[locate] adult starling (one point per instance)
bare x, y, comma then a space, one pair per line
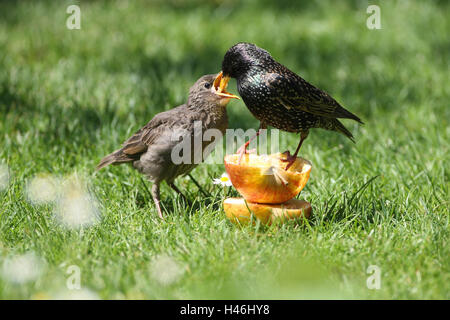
278, 97
150, 148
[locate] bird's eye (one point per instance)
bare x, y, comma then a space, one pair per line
207, 85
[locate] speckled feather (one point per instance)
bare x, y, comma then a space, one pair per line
280, 98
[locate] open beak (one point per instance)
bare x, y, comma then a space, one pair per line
220, 85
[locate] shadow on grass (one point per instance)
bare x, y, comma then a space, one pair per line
62, 124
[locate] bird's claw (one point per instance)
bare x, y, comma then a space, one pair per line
290, 159
243, 150
287, 153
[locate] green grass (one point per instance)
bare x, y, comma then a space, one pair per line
67, 98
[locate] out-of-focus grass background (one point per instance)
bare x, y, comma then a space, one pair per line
68, 97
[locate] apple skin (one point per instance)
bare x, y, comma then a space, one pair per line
238, 211
263, 179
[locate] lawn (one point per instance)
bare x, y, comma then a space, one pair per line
69, 97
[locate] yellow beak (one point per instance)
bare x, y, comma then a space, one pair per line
220, 85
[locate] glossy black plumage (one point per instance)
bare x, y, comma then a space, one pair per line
280, 98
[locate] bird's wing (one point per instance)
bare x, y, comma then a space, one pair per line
144, 137
135, 145
294, 92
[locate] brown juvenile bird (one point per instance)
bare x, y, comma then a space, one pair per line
150, 149
280, 98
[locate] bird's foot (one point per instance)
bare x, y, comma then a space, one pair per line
243, 150
290, 159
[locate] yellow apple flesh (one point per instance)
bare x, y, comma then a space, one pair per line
263, 178
240, 211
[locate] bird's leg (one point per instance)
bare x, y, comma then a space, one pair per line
243, 150
291, 158
174, 187
156, 198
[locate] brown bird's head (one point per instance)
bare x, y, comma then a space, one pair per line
206, 90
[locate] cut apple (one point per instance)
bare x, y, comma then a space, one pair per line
238, 210
263, 178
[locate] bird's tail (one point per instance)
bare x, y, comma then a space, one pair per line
117, 157
339, 127
344, 113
